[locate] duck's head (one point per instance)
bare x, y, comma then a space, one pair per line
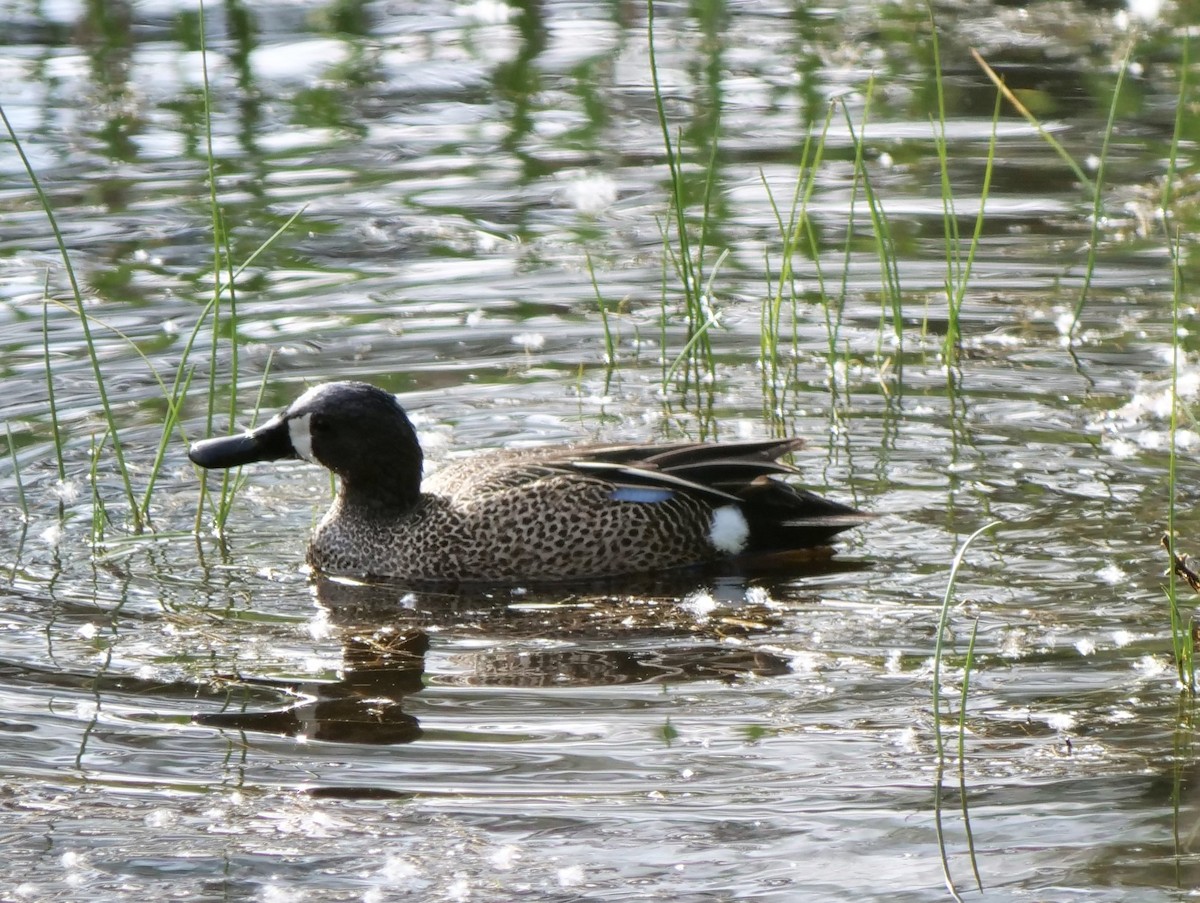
357, 430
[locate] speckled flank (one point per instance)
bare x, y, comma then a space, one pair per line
530, 515
517, 525
540, 514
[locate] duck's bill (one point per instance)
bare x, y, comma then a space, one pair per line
269, 442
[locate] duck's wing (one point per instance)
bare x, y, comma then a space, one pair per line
683, 454
718, 471
780, 513
747, 475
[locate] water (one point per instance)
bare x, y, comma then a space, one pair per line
190, 718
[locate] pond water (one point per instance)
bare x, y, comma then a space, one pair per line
187, 716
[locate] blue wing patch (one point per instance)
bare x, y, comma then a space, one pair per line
647, 495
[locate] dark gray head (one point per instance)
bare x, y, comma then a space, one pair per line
357, 430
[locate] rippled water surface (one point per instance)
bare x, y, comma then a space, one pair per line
186, 716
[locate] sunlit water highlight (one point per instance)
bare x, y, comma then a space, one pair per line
188, 718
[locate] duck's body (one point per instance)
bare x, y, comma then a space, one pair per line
538, 514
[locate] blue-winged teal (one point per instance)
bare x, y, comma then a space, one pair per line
537, 514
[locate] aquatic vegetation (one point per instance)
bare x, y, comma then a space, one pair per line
878, 254
84, 323
1183, 633
937, 687
958, 266
176, 391
696, 358
16, 466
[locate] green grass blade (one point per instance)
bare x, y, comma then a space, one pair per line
225, 505
991, 73
943, 621
674, 161
1182, 641
16, 465
688, 261
1182, 635
1098, 192
885, 246
93, 355
610, 345
55, 427
968, 664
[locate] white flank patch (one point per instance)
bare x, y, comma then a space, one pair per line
301, 436
729, 530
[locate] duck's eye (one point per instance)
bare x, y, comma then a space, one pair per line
318, 424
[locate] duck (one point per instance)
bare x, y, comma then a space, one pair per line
545, 514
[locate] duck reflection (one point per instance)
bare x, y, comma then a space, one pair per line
378, 671
599, 639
